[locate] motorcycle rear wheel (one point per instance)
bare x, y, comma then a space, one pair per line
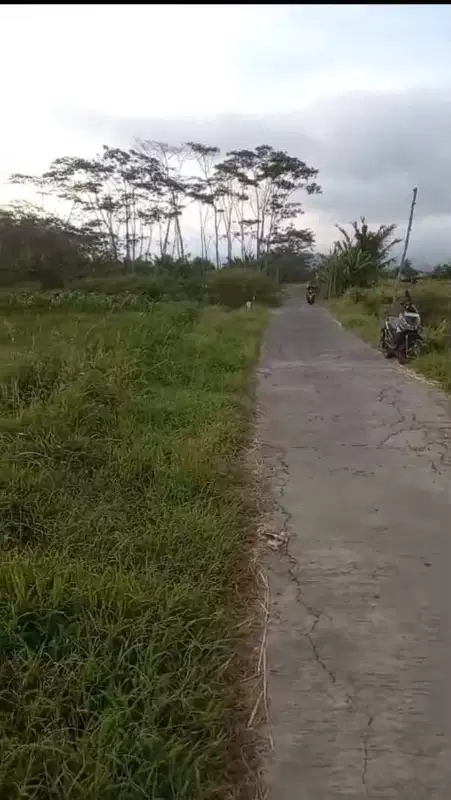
383, 346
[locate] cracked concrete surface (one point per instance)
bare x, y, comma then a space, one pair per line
359, 453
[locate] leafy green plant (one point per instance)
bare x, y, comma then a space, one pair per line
375, 244
359, 259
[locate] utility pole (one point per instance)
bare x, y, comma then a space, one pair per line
406, 241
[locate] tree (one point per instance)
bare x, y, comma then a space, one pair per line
409, 273
118, 192
263, 181
136, 198
173, 191
38, 246
290, 258
205, 191
351, 267
442, 271
376, 244
360, 258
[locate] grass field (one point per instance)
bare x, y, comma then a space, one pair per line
124, 515
364, 311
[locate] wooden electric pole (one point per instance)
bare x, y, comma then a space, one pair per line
407, 239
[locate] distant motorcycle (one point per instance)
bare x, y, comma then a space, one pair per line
311, 295
401, 336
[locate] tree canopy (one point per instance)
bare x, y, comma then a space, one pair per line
128, 207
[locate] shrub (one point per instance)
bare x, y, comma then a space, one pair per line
234, 287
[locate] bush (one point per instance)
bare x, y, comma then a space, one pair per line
375, 301
234, 287
153, 288
437, 338
227, 287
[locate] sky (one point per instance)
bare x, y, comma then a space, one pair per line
361, 92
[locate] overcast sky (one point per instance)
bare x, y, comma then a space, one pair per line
361, 92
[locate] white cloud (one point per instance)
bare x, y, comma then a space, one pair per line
75, 76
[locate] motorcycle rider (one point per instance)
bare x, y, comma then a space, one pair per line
311, 290
407, 306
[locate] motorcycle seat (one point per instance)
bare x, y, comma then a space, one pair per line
393, 321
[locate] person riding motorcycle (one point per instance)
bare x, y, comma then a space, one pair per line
311, 289
407, 306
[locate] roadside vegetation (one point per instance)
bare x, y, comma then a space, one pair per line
360, 283
127, 513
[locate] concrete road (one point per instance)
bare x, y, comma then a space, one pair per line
359, 651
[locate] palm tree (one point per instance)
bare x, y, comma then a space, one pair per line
376, 244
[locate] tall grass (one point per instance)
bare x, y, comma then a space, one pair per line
228, 288
123, 518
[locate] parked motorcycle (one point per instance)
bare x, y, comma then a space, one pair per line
401, 336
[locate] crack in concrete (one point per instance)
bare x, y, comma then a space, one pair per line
366, 758
317, 614
404, 425
319, 660
397, 419
282, 469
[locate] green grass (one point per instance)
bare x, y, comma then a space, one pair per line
123, 519
228, 288
363, 311
356, 317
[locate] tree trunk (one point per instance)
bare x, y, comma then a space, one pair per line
216, 237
